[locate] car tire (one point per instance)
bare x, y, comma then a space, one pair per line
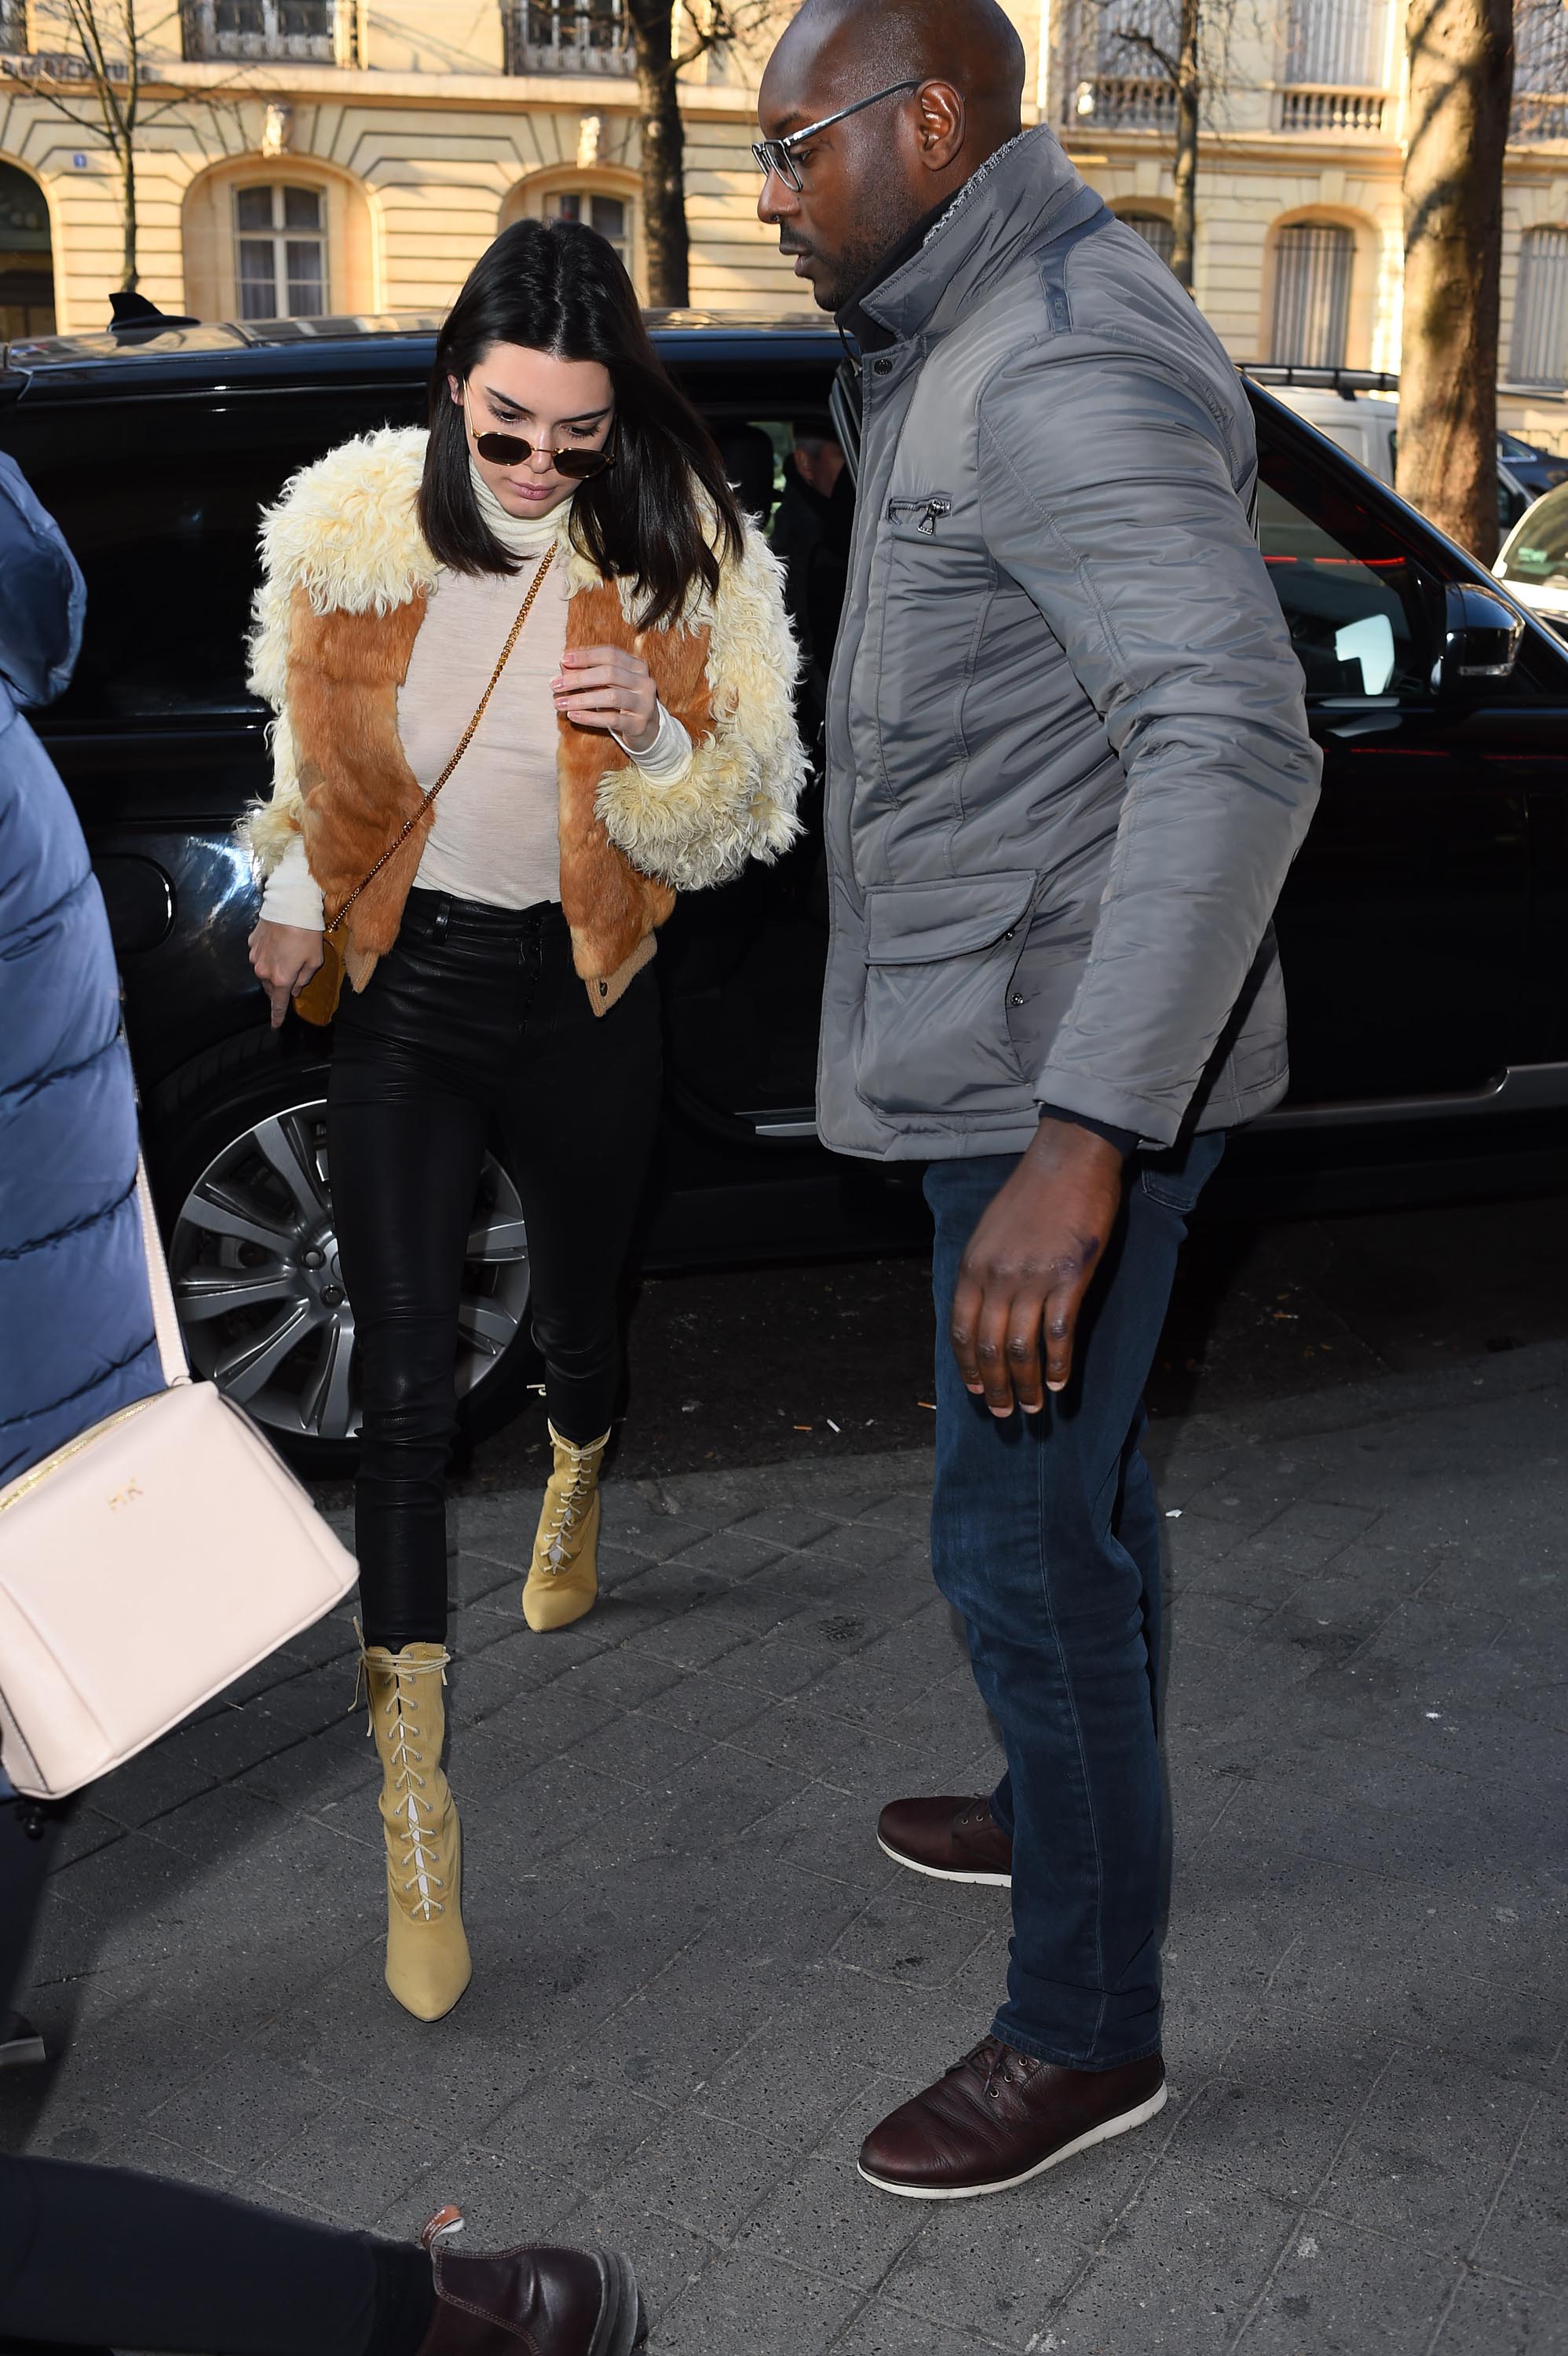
237, 1151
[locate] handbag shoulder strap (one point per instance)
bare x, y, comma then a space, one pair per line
463, 742
165, 1316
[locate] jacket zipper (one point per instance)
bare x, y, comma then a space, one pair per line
928, 512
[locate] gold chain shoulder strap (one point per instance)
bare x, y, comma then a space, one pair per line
463, 742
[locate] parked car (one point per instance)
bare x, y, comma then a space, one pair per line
1533, 559
1536, 471
1359, 412
1420, 927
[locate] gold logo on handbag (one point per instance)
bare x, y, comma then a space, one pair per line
464, 741
125, 1497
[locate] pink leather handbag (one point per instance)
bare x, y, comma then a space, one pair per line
146, 1565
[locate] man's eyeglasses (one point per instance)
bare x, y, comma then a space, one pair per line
511, 450
776, 157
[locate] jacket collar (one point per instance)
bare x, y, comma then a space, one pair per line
996, 211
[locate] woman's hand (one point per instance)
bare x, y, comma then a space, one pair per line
609, 687
283, 958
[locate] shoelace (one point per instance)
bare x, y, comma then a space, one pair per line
420, 1860
996, 2061
563, 1520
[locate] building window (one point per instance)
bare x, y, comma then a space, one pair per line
1337, 43
280, 253
13, 27
1313, 262
1539, 354
1115, 83
567, 37
1154, 229
1540, 69
26, 264
609, 215
302, 29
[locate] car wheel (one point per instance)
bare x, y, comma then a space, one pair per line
252, 1252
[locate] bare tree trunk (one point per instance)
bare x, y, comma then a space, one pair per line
1184, 175
664, 238
1461, 88
128, 185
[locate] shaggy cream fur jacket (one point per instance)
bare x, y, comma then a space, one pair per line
345, 575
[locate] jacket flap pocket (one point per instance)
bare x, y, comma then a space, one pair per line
922, 923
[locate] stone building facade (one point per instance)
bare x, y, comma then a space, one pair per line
318, 156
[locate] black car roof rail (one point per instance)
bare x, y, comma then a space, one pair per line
1344, 381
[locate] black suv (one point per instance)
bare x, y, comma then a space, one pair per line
1421, 929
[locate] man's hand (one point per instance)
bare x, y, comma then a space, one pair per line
283, 958
1030, 1263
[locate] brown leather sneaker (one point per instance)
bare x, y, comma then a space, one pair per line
953, 1840
999, 2117
543, 2302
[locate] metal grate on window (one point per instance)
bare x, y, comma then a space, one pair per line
1154, 229
1337, 43
302, 30
1313, 262
1539, 70
1540, 353
567, 37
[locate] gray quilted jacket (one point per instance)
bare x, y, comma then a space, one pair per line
1068, 758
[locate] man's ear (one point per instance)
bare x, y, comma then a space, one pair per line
942, 124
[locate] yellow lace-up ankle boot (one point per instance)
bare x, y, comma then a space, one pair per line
428, 1964
563, 1577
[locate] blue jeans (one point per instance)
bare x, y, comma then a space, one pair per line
1045, 1540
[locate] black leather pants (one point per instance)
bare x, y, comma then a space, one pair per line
476, 1020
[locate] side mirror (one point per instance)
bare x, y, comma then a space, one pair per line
1480, 640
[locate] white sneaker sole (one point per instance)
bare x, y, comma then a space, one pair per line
939, 1873
1122, 2124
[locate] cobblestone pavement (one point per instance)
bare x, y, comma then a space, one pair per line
697, 1982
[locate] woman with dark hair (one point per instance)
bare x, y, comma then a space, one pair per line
533, 675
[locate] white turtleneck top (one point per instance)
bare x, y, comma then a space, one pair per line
494, 832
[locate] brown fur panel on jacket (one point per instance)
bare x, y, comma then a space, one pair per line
608, 903
345, 671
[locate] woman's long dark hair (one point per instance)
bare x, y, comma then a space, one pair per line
558, 286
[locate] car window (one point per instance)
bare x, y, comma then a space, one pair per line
1539, 553
160, 501
1355, 604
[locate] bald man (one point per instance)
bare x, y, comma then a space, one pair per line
1068, 770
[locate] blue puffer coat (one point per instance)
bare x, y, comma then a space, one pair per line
76, 1321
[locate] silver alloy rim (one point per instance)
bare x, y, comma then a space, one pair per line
253, 1260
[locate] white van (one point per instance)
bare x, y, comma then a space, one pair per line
1364, 421
1364, 424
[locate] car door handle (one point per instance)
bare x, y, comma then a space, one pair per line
1375, 719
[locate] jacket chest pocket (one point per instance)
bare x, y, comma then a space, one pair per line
932, 585
939, 958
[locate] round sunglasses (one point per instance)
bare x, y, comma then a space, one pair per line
511, 450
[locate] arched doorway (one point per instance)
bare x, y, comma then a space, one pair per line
26, 257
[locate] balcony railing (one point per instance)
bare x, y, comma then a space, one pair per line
1123, 102
298, 31
1538, 114
571, 36
1322, 109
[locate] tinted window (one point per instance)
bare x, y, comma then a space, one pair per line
160, 501
1540, 555
1356, 605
